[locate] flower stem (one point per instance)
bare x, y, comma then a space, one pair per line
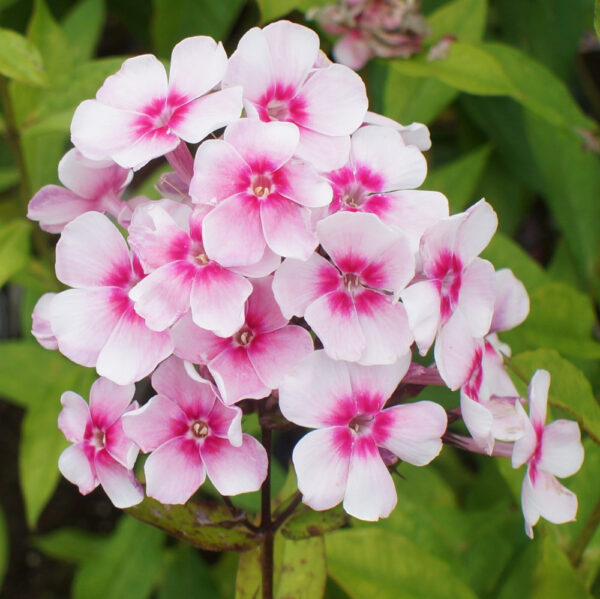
287, 512
585, 535
266, 524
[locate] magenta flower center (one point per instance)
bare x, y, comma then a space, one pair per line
261, 186
243, 337
199, 429
354, 195
98, 439
351, 282
361, 423
277, 110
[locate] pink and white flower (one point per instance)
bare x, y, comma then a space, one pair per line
88, 185
351, 302
415, 134
261, 196
95, 323
139, 115
341, 460
101, 454
190, 435
379, 178
41, 328
277, 67
549, 451
251, 363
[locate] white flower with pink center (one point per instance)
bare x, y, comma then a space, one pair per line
549, 451
182, 276
191, 434
453, 296
89, 185
277, 68
342, 460
379, 178
261, 196
101, 454
139, 114
351, 303
252, 362
95, 323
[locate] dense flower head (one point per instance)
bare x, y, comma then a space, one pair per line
292, 261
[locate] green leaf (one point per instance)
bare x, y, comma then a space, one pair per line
203, 524
370, 562
70, 544
14, 248
273, 9
83, 26
464, 19
127, 567
4, 547
458, 179
560, 318
9, 177
597, 18
542, 571
308, 523
187, 575
20, 59
176, 19
569, 390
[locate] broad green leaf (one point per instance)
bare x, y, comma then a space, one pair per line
458, 179
14, 248
70, 544
371, 562
176, 19
308, 523
597, 17
569, 389
464, 19
299, 570
4, 547
203, 524
83, 26
187, 575
560, 318
562, 266
127, 567
20, 59
542, 571
273, 9
9, 177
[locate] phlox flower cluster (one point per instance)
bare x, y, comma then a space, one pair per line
291, 265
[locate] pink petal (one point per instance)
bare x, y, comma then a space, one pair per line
509, 422
370, 492
75, 466
153, 144
317, 392
53, 207
476, 231
479, 421
40, 327
132, 350
273, 354
267, 264
412, 431
415, 134
437, 244
118, 482
74, 416
155, 423
232, 232
226, 422
174, 471
195, 344
194, 121
108, 402
333, 318
234, 470
336, 101
219, 172
271, 144
352, 51
263, 314
376, 381
476, 296
538, 398
324, 152
422, 303
307, 187
218, 298
297, 283
512, 302
185, 78
321, 461
286, 227
119, 446
92, 253
561, 449
385, 327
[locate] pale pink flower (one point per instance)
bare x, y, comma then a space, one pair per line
277, 67
95, 323
453, 296
138, 114
379, 178
251, 363
192, 434
101, 453
40, 322
549, 451
262, 195
351, 302
182, 276
342, 459
415, 134
88, 185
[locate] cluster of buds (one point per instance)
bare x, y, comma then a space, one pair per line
303, 210
369, 28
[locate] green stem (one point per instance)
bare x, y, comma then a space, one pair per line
266, 524
585, 535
